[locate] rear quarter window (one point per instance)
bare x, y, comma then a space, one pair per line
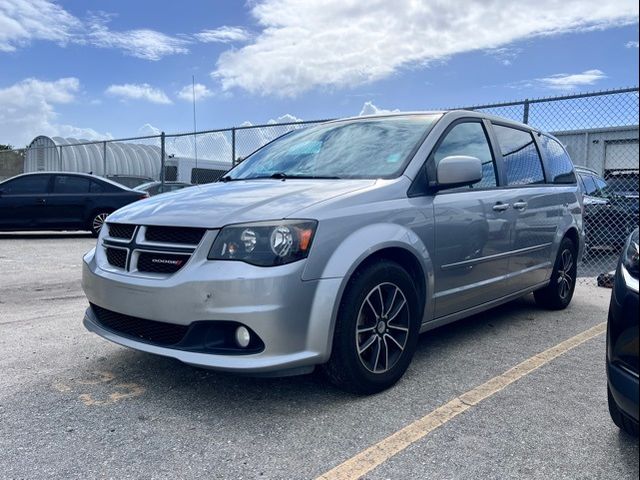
559, 165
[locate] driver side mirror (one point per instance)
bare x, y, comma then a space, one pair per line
458, 171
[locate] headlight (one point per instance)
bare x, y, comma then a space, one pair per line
631, 254
266, 243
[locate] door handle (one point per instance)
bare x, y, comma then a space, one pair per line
500, 207
41, 201
521, 205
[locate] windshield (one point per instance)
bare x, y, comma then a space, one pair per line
367, 148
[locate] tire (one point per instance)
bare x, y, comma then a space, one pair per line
97, 221
558, 294
376, 330
623, 422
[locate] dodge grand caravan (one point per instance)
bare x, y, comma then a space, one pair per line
338, 244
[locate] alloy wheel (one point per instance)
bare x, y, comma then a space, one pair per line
565, 274
382, 329
98, 221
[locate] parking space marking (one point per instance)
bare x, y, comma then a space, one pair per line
367, 460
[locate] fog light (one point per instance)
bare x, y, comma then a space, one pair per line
243, 337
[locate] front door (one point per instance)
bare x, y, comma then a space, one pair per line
471, 227
22, 201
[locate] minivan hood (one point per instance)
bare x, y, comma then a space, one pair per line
218, 204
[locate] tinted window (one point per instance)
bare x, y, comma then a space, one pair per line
558, 162
96, 187
589, 185
27, 185
521, 158
600, 184
469, 139
71, 184
100, 187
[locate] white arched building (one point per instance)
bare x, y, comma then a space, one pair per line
100, 158
117, 159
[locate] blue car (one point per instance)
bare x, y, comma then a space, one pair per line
622, 340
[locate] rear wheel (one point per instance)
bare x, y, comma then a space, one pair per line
376, 331
97, 222
558, 294
620, 419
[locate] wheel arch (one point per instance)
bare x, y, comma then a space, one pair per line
401, 245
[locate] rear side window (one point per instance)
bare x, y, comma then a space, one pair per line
558, 162
521, 158
469, 139
31, 184
100, 187
70, 184
589, 185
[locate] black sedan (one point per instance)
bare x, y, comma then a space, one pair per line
60, 201
622, 340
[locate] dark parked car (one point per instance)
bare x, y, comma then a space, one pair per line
60, 201
610, 208
130, 181
154, 188
622, 340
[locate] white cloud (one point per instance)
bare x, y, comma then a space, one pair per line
570, 81
22, 21
370, 109
201, 92
632, 44
504, 55
223, 35
28, 110
138, 91
141, 43
342, 43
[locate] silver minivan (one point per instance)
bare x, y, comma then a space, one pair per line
337, 245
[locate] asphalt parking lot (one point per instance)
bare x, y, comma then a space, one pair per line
75, 406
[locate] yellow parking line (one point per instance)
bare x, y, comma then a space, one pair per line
372, 457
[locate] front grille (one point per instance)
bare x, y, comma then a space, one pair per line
119, 230
181, 235
150, 331
161, 262
116, 257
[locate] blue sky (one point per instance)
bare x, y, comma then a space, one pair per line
92, 69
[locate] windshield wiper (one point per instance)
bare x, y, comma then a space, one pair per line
285, 176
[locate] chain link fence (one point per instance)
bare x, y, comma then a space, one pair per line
599, 130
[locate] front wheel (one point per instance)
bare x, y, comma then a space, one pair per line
376, 331
558, 294
97, 222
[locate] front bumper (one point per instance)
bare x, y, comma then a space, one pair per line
293, 318
622, 343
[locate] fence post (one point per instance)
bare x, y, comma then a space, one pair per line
525, 116
233, 147
104, 159
60, 166
162, 154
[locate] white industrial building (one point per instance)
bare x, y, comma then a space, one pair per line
602, 149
